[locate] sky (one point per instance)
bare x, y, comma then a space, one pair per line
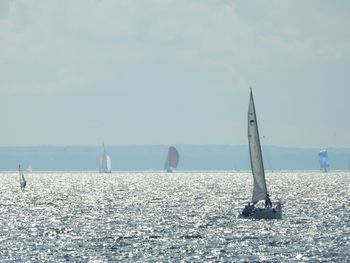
143, 72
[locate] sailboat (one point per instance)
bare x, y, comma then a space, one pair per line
105, 161
22, 180
260, 192
172, 159
323, 159
30, 169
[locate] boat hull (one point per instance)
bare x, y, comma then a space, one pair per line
262, 213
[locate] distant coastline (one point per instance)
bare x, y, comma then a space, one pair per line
152, 157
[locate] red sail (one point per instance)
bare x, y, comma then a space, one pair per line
173, 157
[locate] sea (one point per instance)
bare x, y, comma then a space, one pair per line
172, 217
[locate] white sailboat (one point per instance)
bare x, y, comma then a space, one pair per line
30, 169
22, 180
105, 161
260, 192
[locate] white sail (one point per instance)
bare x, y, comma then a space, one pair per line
105, 162
108, 163
256, 161
29, 169
22, 180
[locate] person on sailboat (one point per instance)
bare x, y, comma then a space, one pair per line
268, 202
246, 211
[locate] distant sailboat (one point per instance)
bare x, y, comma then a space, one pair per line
260, 192
29, 169
105, 161
323, 159
22, 180
172, 159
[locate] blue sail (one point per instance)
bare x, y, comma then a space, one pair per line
323, 159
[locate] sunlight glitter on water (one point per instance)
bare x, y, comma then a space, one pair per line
148, 216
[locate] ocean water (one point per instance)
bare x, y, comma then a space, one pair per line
179, 217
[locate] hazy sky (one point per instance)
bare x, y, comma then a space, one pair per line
83, 72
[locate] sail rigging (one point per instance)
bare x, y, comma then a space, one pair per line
256, 161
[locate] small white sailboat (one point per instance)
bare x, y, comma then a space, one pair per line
30, 169
172, 159
22, 180
105, 161
260, 192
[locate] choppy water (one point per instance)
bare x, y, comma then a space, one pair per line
83, 217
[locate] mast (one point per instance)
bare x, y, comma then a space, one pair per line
256, 161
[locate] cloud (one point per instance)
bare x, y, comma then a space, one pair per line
199, 55
80, 39
75, 39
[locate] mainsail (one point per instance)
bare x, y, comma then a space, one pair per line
105, 161
323, 159
22, 180
172, 159
256, 161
